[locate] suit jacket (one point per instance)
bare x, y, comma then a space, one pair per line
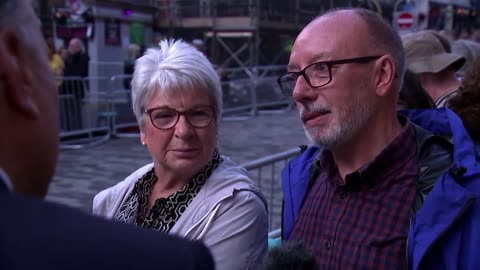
35, 234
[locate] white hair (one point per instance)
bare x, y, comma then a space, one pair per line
173, 66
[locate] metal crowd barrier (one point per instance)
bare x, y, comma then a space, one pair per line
248, 92
94, 109
79, 105
267, 172
124, 123
270, 97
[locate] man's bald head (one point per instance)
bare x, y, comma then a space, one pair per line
380, 34
76, 46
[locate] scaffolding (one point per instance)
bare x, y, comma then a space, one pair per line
243, 34
235, 34
238, 34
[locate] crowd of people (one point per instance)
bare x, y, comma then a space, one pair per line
390, 180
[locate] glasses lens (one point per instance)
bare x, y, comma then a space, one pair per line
318, 74
164, 117
200, 116
287, 83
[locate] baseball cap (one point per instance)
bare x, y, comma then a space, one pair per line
426, 51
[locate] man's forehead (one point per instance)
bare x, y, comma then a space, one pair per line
333, 22
338, 31
323, 35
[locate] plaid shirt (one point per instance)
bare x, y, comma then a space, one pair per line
362, 222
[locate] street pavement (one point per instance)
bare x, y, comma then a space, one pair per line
82, 173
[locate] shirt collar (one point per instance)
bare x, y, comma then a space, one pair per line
443, 99
5, 180
383, 165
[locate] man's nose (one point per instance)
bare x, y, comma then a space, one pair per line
302, 89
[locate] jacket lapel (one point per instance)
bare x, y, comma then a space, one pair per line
3, 186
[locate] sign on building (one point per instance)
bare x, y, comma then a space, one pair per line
405, 18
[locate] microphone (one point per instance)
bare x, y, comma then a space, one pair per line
291, 255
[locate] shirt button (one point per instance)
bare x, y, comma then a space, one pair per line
327, 244
343, 194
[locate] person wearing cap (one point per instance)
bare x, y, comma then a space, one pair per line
377, 189
429, 55
469, 49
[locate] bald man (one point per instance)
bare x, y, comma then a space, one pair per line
359, 191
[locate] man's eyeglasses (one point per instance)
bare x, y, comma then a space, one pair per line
165, 117
317, 74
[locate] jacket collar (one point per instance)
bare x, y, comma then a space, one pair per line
445, 122
5, 183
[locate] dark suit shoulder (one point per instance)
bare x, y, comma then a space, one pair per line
35, 234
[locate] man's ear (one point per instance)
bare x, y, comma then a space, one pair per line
385, 75
15, 74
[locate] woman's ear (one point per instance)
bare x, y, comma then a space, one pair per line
143, 138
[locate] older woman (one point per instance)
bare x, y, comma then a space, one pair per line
189, 189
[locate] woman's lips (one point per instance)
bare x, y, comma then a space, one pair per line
185, 152
185, 149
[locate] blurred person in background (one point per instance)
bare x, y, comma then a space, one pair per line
475, 35
429, 55
199, 45
74, 87
412, 95
467, 103
448, 35
56, 62
77, 61
190, 189
133, 53
469, 49
35, 234
63, 52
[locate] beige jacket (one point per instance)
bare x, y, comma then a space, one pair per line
229, 215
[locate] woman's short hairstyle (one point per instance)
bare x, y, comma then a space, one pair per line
173, 67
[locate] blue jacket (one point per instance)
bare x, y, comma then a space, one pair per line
446, 229
445, 233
